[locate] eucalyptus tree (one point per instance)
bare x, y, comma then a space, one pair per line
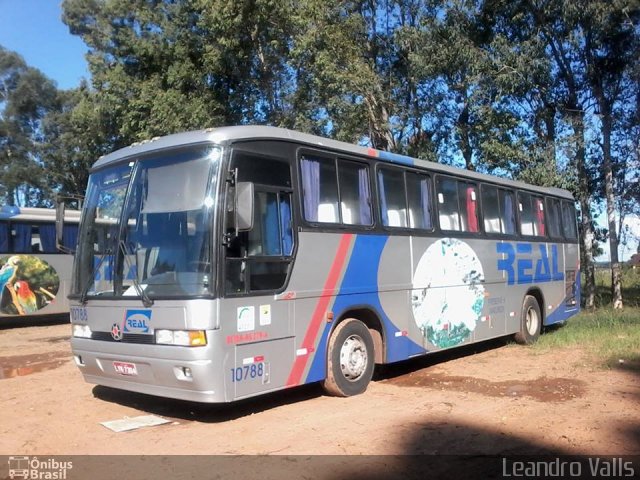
611, 46
166, 66
26, 95
75, 135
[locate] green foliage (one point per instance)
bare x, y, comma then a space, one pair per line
26, 95
545, 92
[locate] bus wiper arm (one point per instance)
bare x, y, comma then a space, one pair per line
146, 301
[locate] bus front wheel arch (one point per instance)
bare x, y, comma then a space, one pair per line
350, 359
530, 321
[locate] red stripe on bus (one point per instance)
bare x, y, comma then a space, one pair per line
321, 307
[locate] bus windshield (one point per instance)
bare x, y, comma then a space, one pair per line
146, 227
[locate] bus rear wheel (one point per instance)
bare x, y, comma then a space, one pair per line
350, 359
530, 322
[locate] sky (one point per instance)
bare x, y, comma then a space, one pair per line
34, 29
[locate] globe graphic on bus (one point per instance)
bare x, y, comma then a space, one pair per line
448, 295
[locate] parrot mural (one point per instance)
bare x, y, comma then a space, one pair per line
25, 297
8, 272
7, 275
27, 285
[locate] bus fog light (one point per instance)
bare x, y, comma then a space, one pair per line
81, 331
187, 372
78, 360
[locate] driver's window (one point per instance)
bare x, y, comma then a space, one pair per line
259, 260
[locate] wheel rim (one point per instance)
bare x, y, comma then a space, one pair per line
353, 358
532, 321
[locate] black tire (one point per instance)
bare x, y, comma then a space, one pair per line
350, 359
530, 322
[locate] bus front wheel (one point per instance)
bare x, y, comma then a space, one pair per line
350, 359
530, 322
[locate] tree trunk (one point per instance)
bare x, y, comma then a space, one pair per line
586, 222
616, 269
464, 133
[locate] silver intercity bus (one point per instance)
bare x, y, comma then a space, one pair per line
226, 263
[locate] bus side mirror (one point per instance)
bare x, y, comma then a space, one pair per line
244, 206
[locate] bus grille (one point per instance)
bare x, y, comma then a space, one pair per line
126, 337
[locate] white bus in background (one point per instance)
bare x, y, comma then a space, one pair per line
35, 273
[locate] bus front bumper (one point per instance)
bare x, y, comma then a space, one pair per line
152, 370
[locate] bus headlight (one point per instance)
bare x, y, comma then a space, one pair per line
185, 338
81, 331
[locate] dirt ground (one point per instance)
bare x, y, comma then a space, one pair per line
490, 399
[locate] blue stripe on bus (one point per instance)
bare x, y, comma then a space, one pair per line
395, 158
564, 312
362, 274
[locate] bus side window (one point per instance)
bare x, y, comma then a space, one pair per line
526, 214
4, 237
48, 238
419, 197
491, 209
468, 202
539, 217
355, 193
21, 238
448, 214
569, 221
553, 217
320, 190
393, 204
272, 233
458, 205
507, 208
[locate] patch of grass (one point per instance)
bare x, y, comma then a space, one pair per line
609, 336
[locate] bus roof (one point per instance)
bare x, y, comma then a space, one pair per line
226, 135
33, 214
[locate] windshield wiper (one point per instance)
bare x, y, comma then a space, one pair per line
146, 301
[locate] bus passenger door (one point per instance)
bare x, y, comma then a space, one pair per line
256, 269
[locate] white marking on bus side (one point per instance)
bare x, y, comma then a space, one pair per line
550, 307
301, 351
252, 360
512, 314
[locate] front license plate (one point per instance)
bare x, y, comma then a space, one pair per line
125, 368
